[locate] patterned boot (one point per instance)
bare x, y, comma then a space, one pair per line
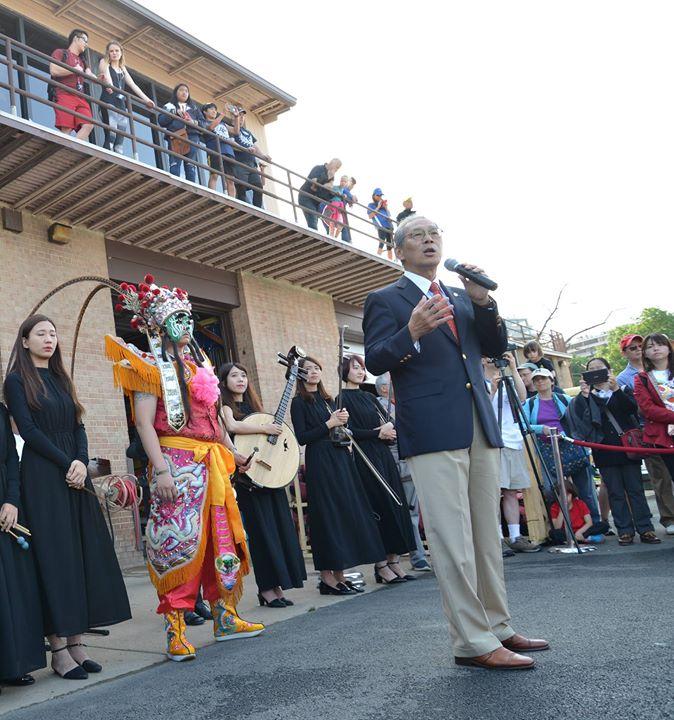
178, 647
227, 625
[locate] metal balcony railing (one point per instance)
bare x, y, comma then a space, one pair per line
289, 181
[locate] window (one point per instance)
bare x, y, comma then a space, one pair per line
8, 26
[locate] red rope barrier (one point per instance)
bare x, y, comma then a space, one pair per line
621, 448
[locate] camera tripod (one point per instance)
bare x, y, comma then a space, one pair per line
522, 421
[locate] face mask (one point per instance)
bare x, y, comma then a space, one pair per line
178, 325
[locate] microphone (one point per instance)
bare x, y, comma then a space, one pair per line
478, 278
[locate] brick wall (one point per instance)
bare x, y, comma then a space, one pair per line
31, 267
273, 316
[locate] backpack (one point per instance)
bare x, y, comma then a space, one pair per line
51, 90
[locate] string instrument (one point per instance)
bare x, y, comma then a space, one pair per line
275, 458
339, 435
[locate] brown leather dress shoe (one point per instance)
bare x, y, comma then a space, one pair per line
518, 643
499, 659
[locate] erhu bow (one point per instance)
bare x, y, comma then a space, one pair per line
338, 435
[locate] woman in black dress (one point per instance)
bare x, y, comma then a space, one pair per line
372, 433
21, 637
78, 575
277, 557
342, 525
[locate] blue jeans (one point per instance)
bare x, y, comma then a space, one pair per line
190, 170
627, 499
311, 209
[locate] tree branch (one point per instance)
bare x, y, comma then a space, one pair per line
592, 327
554, 310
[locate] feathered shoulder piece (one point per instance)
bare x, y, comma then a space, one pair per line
133, 370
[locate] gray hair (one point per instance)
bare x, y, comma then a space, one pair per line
401, 230
381, 380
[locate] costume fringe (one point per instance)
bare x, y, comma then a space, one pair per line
130, 372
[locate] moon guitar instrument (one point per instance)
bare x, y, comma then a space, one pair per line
275, 458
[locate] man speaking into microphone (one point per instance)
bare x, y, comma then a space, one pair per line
431, 339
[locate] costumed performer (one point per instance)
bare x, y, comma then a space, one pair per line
194, 534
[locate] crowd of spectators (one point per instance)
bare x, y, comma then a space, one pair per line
232, 149
606, 408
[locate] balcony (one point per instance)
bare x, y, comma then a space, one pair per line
44, 172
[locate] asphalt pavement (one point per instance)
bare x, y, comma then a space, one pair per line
608, 615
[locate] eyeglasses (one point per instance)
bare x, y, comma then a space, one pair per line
84, 38
419, 235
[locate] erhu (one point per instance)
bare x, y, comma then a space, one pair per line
339, 435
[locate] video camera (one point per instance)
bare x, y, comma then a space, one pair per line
502, 362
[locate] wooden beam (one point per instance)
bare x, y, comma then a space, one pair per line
236, 245
136, 185
186, 65
247, 261
196, 219
231, 90
180, 210
107, 170
126, 209
172, 200
65, 7
188, 242
260, 109
59, 180
28, 164
136, 34
97, 196
15, 144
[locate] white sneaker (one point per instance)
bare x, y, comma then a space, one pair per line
669, 529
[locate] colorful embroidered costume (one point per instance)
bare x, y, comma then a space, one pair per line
198, 540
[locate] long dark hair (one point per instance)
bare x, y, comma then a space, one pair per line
21, 363
658, 339
301, 387
174, 97
227, 396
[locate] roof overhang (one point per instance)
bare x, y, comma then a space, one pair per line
47, 173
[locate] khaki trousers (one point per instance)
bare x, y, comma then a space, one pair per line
662, 486
459, 494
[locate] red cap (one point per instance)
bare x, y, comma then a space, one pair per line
628, 340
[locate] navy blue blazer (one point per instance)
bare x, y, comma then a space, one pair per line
435, 388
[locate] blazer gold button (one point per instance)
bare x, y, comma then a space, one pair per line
468, 386
464, 356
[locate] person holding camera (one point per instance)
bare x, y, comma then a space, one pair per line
514, 472
603, 411
380, 215
247, 155
548, 410
654, 392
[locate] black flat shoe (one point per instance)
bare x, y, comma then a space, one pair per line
21, 681
286, 602
275, 603
325, 589
355, 588
402, 577
191, 618
77, 673
89, 665
200, 608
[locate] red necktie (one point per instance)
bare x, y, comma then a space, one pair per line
435, 289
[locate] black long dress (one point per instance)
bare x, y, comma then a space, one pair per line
272, 540
343, 528
395, 525
80, 582
21, 636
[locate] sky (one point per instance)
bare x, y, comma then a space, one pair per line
538, 135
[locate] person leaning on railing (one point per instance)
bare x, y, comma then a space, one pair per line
221, 149
187, 128
113, 72
316, 189
247, 171
379, 213
66, 122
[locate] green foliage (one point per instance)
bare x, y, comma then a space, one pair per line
651, 320
577, 367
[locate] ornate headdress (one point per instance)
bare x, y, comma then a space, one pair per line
152, 305
164, 315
